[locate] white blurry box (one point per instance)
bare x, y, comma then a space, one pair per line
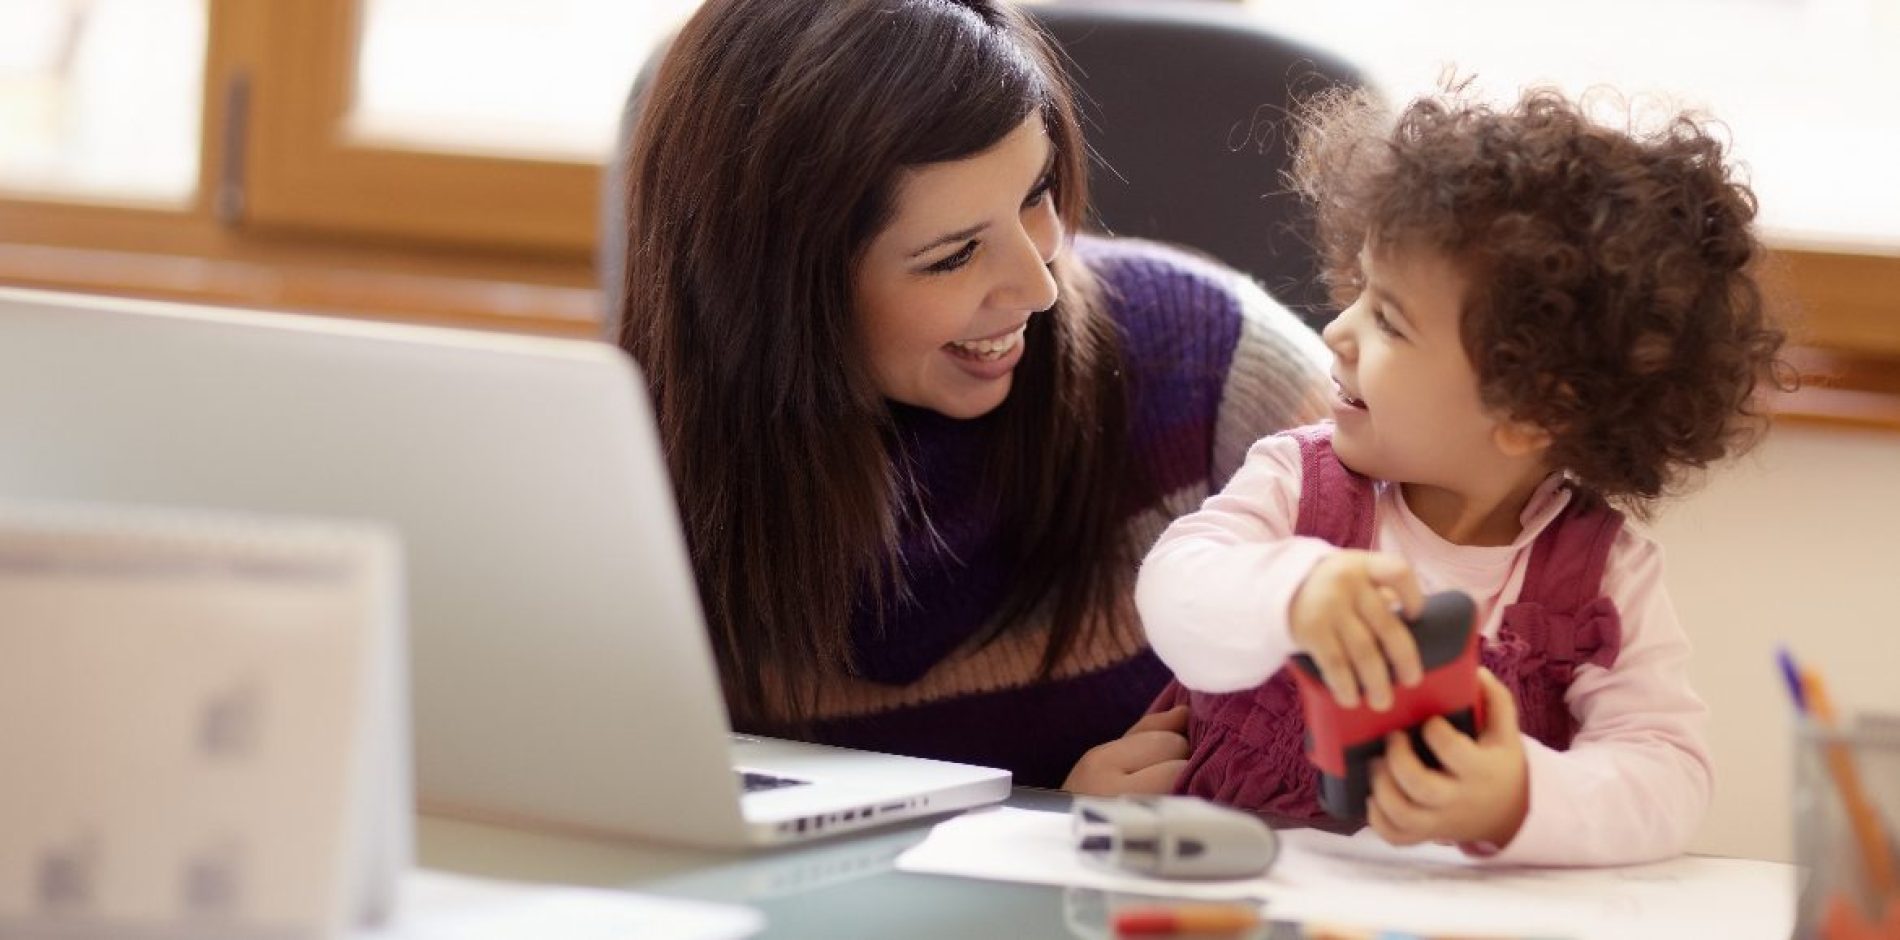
202, 727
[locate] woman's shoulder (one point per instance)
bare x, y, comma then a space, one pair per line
1209, 355
1180, 315
1120, 251
1166, 297
1141, 276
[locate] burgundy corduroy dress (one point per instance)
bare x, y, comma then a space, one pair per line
1247, 748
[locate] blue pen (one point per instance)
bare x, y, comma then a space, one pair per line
1791, 673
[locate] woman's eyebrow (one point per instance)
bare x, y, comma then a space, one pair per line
1048, 167
956, 236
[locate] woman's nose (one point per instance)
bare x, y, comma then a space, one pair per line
1029, 284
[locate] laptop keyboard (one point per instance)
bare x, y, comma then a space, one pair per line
755, 782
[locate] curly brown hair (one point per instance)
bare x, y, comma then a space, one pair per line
1614, 302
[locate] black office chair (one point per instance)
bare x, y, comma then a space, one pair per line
1185, 104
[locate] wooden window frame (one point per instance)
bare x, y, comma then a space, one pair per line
304, 172
513, 255
324, 224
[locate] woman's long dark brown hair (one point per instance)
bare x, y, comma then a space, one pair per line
764, 163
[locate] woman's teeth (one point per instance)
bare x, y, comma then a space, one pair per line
987, 349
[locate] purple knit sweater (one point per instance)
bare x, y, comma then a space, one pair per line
1213, 365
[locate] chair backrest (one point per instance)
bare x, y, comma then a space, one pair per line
1186, 106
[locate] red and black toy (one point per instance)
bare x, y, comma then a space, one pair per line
1342, 742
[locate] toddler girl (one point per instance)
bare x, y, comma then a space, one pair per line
1551, 323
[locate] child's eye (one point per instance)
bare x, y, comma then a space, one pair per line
961, 258
1385, 326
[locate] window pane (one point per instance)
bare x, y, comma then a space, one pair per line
1805, 86
100, 99
538, 78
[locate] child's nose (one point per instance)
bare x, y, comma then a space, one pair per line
1338, 335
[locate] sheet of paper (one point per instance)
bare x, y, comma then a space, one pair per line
440, 906
1359, 881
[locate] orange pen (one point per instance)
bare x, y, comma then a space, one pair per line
1842, 920
1194, 919
1874, 853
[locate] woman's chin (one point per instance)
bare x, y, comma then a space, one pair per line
956, 387
970, 403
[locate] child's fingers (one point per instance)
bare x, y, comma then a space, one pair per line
1335, 669
1457, 752
1379, 823
1421, 785
1400, 648
1407, 821
1367, 657
1392, 571
1391, 598
1500, 709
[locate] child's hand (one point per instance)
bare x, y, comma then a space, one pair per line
1481, 795
1343, 617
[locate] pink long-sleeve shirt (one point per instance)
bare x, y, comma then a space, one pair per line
1214, 596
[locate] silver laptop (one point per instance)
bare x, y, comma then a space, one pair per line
561, 670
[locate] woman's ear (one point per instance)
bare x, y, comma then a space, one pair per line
1519, 438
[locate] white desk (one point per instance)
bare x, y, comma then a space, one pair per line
835, 889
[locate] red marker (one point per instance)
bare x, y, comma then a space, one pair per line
1198, 919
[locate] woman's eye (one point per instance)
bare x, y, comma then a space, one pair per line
961, 258
1041, 192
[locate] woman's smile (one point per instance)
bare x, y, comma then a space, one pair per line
989, 357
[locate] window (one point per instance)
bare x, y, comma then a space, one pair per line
99, 99
538, 79
1806, 87
429, 160
440, 159
476, 122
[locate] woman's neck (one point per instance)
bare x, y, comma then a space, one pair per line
1475, 515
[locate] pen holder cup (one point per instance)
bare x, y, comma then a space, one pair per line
1847, 830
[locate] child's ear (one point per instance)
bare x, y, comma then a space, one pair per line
1520, 438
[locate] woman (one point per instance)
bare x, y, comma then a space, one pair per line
920, 434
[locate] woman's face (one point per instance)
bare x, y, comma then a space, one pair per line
945, 291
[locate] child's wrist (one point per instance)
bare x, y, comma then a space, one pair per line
1517, 810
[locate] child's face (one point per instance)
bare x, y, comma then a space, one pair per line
1407, 408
